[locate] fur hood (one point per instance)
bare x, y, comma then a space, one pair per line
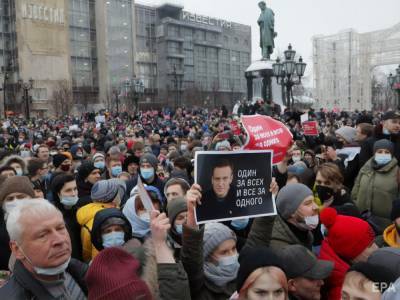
14, 158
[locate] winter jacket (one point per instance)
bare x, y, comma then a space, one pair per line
23, 285
389, 238
375, 189
192, 258
74, 230
260, 232
85, 216
284, 234
157, 182
84, 189
5, 250
367, 147
332, 288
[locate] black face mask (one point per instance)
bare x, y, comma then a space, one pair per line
324, 192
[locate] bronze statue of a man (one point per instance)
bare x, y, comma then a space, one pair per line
266, 21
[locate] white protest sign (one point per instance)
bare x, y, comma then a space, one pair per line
148, 205
304, 118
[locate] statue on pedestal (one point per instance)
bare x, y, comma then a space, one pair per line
266, 21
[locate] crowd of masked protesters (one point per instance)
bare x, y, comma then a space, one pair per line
73, 224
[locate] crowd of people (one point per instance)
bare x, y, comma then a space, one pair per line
73, 224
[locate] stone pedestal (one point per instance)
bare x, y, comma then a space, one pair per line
261, 84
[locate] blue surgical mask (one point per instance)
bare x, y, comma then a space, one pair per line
69, 201
147, 173
115, 171
382, 158
228, 261
100, 165
240, 223
113, 239
386, 131
48, 271
19, 172
179, 229
145, 217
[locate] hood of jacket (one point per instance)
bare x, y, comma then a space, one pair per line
102, 216
86, 213
390, 236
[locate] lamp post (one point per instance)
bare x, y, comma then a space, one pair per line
394, 83
5, 93
138, 91
175, 80
287, 71
26, 86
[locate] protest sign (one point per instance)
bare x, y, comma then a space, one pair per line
235, 185
266, 133
100, 119
148, 205
304, 118
310, 128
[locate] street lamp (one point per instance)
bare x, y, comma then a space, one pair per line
394, 83
287, 71
178, 86
26, 86
138, 90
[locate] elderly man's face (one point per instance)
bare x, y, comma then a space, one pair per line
221, 180
44, 241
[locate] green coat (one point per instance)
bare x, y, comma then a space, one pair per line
260, 232
283, 236
375, 189
192, 258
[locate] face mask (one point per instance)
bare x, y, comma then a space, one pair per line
52, 271
25, 153
312, 222
19, 172
240, 224
145, 217
147, 173
8, 206
385, 131
20, 140
100, 165
227, 261
48, 271
113, 239
183, 147
324, 192
179, 229
65, 168
296, 158
69, 201
382, 159
115, 171
79, 155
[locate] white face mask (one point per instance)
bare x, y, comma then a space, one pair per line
69, 201
312, 222
296, 158
8, 206
145, 217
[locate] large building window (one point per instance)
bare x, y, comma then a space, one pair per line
189, 57
212, 53
173, 30
174, 47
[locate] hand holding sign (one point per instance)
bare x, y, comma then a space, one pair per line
193, 198
159, 226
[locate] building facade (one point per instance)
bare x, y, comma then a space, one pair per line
85, 55
343, 65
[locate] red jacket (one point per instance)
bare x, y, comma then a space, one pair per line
334, 283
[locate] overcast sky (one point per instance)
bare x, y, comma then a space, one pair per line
296, 21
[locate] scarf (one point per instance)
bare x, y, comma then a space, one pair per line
220, 276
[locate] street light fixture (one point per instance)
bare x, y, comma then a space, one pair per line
394, 83
26, 87
287, 71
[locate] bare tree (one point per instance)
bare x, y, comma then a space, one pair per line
62, 98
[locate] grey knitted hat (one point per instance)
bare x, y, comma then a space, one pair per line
384, 144
149, 158
290, 198
347, 132
175, 207
104, 191
214, 235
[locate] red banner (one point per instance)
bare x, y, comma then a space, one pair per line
266, 133
310, 128
235, 127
